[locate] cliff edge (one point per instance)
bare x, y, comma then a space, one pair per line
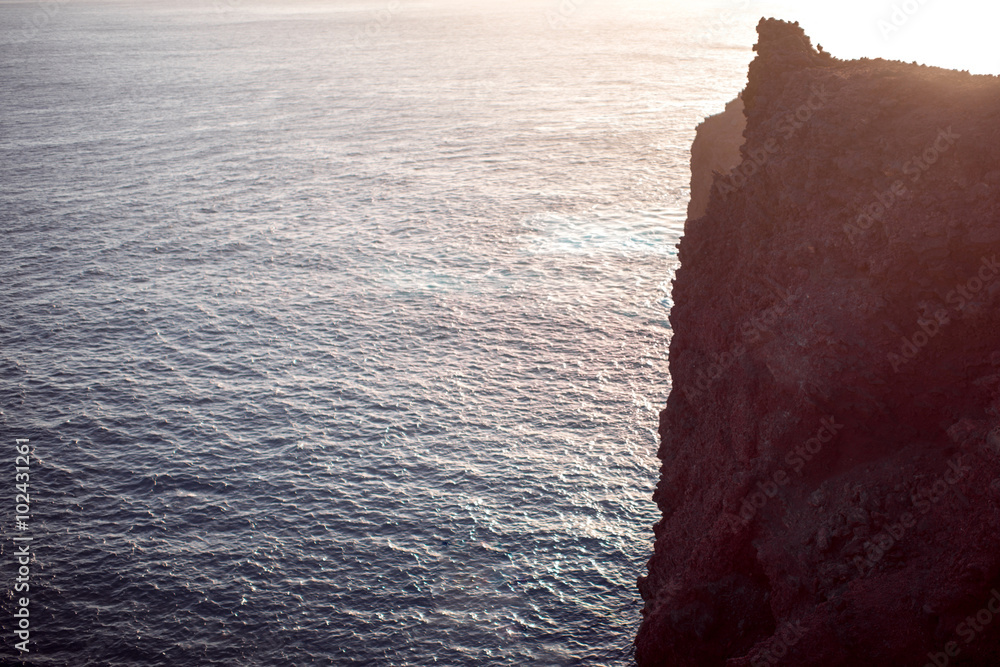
830, 480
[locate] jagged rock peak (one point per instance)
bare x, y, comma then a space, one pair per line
782, 39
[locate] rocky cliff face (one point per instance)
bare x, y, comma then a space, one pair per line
716, 148
830, 481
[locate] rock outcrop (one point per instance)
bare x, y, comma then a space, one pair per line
830, 481
716, 148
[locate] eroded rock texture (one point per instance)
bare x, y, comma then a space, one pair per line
830, 482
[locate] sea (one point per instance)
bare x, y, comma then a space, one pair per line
339, 330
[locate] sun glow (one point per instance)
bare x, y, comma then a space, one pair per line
958, 34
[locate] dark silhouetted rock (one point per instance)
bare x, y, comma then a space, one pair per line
830, 482
716, 148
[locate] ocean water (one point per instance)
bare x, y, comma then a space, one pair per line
340, 330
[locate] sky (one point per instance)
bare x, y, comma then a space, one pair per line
957, 34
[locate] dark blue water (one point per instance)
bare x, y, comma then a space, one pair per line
335, 344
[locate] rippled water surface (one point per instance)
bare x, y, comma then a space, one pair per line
340, 331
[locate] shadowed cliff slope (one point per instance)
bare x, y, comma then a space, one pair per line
830, 482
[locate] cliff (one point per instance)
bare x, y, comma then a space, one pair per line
830, 480
716, 148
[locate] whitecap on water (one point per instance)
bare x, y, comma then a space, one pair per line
604, 232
